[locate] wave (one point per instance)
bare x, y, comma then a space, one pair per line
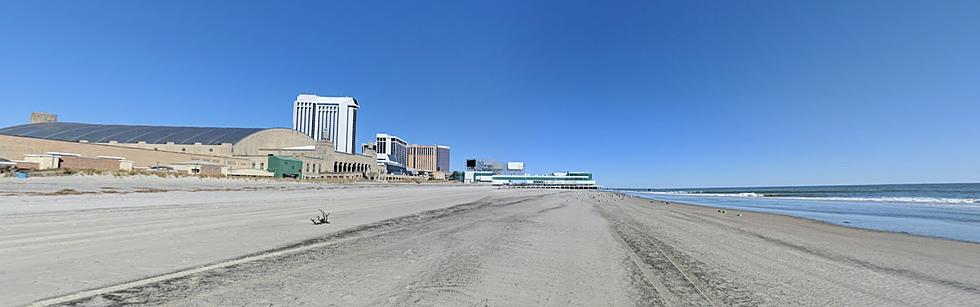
896, 199
697, 193
932, 200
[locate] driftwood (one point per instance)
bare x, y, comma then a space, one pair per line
322, 219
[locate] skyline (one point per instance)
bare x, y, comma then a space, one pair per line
664, 94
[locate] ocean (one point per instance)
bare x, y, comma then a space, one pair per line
949, 211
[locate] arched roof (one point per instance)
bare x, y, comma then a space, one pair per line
97, 133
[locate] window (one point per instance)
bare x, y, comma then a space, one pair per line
211, 149
262, 165
183, 149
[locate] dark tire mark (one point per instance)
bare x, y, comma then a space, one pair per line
679, 279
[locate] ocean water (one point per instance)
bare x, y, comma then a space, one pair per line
949, 211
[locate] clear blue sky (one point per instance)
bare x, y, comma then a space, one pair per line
644, 93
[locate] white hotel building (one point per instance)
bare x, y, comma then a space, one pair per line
392, 150
327, 119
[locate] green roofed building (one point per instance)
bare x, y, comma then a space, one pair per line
285, 166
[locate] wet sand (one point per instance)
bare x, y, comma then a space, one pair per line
455, 245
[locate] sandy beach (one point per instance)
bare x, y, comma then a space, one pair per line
226, 242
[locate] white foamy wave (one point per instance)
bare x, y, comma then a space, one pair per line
932, 200
687, 193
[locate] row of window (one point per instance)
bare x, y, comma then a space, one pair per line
344, 167
338, 167
317, 120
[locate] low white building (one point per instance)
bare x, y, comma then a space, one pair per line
478, 177
564, 180
43, 161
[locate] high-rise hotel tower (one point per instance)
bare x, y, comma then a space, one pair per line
327, 119
430, 158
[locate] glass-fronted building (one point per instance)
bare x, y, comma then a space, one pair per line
391, 149
566, 180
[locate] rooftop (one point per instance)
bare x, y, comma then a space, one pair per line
98, 133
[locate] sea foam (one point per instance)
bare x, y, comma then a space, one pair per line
932, 200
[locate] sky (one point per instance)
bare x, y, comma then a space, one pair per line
641, 93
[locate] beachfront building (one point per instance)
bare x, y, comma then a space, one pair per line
472, 176
566, 180
321, 161
392, 153
285, 167
428, 158
238, 151
331, 119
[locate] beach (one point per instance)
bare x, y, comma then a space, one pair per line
950, 211
228, 242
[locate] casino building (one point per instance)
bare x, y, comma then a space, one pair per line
236, 151
428, 158
331, 119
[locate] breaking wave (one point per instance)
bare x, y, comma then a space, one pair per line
933, 200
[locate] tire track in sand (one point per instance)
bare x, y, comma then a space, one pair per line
679, 280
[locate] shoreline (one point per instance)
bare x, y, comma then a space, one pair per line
803, 216
788, 254
808, 220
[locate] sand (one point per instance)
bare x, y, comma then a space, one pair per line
454, 245
51, 245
